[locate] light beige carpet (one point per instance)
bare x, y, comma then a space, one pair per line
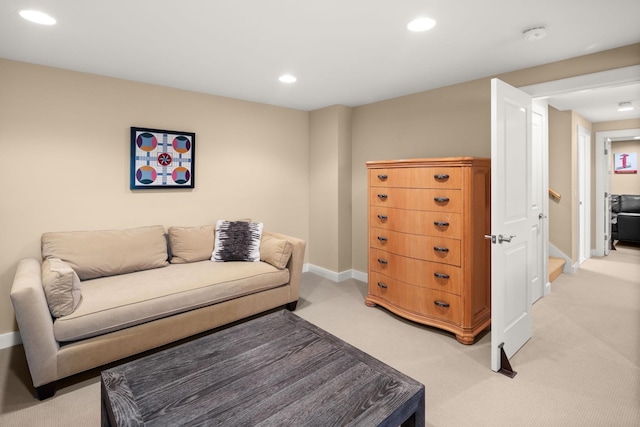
581, 368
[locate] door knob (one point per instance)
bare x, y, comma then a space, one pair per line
502, 238
499, 239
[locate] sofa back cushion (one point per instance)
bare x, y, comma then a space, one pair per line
102, 253
630, 203
191, 244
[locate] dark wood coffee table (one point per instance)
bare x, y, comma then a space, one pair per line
274, 370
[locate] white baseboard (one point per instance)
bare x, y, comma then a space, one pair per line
10, 339
336, 277
360, 276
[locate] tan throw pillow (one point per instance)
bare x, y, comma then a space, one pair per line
61, 287
102, 253
191, 244
275, 251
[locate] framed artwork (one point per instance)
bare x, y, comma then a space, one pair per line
625, 163
162, 158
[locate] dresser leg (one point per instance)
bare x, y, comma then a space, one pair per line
465, 339
369, 303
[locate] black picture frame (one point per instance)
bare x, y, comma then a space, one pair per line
162, 159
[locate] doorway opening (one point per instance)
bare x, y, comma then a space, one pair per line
612, 79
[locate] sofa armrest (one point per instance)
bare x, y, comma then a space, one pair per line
295, 263
35, 322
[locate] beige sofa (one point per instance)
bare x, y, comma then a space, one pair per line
100, 296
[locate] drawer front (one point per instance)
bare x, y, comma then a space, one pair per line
423, 199
426, 177
437, 224
438, 249
425, 274
422, 301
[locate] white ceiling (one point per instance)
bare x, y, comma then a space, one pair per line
349, 52
600, 104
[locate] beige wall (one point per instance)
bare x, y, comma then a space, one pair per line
345, 213
455, 121
330, 188
561, 213
451, 121
625, 183
65, 140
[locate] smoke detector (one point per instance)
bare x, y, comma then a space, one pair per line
533, 34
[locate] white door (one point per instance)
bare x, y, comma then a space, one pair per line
584, 189
513, 220
540, 184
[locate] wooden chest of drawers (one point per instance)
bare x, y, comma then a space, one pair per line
428, 259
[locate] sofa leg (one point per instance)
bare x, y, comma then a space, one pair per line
46, 391
292, 305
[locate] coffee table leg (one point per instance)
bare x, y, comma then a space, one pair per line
104, 416
417, 419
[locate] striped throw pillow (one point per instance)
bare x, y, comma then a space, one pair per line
237, 241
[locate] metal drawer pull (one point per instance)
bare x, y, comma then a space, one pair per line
383, 261
382, 196
382, 285
441, 176
439, 303
441, 275
382, 177
382, 238
441, 224
440, 249
441, 199
382, 217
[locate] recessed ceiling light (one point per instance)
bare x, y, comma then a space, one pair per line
421, 24
37, 17
287, 78
625, 106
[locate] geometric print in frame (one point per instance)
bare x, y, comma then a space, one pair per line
162, 158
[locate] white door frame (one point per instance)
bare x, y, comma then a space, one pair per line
603, 183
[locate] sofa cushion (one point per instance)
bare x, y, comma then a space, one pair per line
630, 203
102, 253
237, 241
275, 251
191, 244
61, 287
117, 302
